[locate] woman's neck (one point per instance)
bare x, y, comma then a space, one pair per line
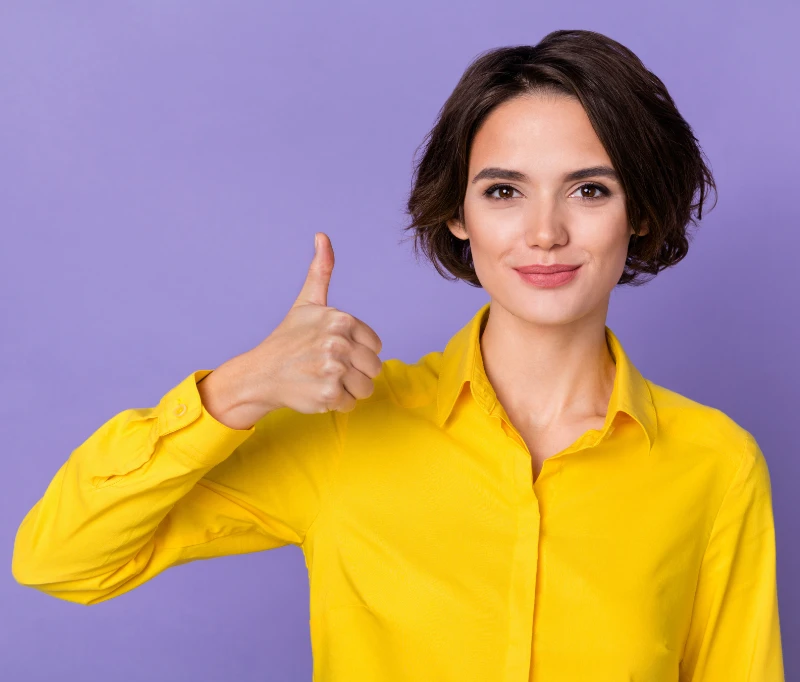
548, 374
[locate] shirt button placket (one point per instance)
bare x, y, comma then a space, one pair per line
524, 566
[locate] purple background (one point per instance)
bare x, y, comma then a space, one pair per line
163, 168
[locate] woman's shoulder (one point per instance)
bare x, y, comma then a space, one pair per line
408, 384
699, 428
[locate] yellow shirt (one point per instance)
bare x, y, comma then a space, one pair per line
644, 551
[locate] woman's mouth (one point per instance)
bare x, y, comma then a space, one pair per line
548, 281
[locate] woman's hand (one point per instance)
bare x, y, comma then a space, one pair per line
317, 359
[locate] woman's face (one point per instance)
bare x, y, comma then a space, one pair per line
540, 216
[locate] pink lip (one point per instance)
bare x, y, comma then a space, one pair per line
546, 269
547, 281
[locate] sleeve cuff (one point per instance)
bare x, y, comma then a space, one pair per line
185, 424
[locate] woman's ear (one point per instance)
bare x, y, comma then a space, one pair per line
457, 229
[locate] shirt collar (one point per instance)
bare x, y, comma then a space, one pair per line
461, 361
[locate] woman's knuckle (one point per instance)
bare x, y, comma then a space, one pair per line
331, 392
332, 366
340, 320
337, 345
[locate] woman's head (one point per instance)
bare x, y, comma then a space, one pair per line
576, 100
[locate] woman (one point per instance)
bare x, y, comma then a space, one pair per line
560, 519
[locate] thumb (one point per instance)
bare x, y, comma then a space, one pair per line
315, 288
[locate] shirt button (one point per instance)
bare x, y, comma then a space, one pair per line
180, 410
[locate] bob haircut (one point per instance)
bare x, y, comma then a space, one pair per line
652, 148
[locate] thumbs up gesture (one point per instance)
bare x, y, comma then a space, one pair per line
317, 359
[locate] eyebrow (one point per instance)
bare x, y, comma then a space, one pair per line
581, 174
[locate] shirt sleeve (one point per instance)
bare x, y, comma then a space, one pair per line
734, 635
162, 486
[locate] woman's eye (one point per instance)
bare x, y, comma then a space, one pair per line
593, 189
506, 191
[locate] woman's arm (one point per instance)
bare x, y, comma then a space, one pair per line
162, 486
734, 634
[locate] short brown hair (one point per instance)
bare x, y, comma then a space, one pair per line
658, 159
